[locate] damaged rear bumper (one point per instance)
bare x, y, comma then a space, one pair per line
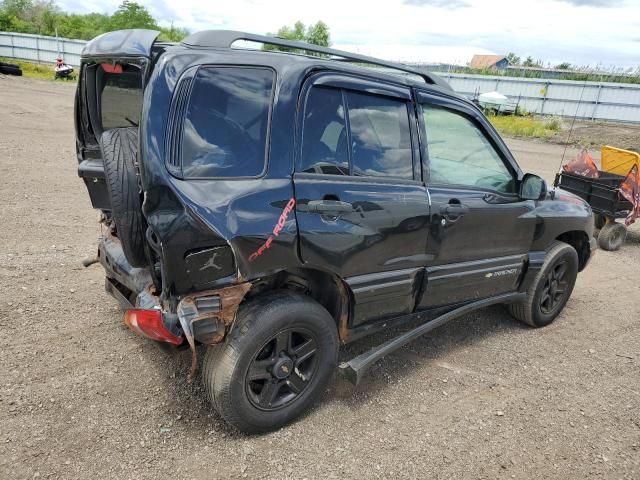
130, 286
202, 317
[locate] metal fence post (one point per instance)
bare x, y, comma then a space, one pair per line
544, 98
13, 48
595, 105
38, 48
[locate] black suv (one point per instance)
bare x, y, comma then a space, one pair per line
272, 205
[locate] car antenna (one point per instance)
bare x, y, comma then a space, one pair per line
573, 121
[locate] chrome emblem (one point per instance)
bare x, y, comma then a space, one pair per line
211, 263
501, 273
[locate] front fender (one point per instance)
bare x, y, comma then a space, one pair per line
561, 212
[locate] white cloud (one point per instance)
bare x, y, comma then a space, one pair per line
575, 31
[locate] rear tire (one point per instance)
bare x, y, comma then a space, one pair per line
275, 363
119, 147
612, 236
10, 69
551, 289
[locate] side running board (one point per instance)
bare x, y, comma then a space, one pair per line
355, 369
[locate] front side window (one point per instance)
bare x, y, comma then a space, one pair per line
460, 154
380, 136
377, 141
226, 122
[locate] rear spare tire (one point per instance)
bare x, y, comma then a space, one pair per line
119, 147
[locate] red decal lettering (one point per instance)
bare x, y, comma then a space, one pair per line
276, 230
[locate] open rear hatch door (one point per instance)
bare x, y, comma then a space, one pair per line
114, 69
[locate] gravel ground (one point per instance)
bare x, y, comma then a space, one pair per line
484, 397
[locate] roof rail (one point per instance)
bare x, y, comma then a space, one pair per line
226, 38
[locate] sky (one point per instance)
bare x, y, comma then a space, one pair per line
603, 33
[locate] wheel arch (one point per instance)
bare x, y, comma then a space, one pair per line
579, 240
328, 289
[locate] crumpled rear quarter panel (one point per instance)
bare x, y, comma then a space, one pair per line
195, 214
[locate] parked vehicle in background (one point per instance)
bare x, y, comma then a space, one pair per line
274, 205
62, 70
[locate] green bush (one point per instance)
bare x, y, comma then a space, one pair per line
527, 127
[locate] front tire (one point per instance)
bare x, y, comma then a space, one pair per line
551, 289
275, 363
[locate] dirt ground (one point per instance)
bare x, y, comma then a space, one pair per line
596, 134
484, 397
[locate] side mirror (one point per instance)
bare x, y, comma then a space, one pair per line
532, 187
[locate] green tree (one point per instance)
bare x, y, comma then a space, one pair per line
513, 59
44, 17
173, 34
317, 34
11, 23
28, 16
131, 15
15, 8
563, 66
82, 26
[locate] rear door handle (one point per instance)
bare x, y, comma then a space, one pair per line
453, 211
329, 206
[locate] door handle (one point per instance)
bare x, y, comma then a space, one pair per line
453, 211
329, 207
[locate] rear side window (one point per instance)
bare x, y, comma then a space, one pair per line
121, 98
226, 122
324, 145
377, 142
380, 137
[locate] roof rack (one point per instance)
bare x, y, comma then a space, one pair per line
226, 38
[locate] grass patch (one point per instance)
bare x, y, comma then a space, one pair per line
32, 70
528, 127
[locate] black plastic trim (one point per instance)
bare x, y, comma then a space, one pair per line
355, 369
226, 39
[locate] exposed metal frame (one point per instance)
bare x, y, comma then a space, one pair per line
226, 39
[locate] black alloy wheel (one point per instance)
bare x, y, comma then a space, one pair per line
274, 364
555, 288
282, 369
551, 288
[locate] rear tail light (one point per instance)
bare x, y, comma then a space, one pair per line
148, 323
111, 67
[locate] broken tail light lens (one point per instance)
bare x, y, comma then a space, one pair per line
148, 323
